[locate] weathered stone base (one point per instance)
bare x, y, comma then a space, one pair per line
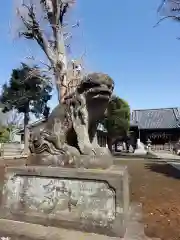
89, 200
27, 231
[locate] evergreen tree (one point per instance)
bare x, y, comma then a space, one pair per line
117, 120
28, 91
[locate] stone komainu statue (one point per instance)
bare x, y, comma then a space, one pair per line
70, 135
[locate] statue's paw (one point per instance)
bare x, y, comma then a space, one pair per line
100, 151
88, 150
97, 162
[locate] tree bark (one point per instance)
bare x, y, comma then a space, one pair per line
109, 142
116, 147
26, 132
62, 81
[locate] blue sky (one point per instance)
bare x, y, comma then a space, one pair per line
120, 40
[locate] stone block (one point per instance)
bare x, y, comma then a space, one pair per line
90, 200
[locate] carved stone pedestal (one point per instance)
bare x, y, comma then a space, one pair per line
90, 200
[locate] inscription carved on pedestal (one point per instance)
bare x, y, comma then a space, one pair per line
77, 199
82, 199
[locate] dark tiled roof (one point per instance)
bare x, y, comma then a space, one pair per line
162, 118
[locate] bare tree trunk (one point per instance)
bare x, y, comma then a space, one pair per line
53, 46
109, 142
26, 133
61, 90
116, 146
61, 81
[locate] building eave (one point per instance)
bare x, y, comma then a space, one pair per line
162, 118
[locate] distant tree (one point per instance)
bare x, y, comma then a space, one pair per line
27, 93
117, 120
4, 134
14, 121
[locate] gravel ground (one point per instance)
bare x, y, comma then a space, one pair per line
157, 187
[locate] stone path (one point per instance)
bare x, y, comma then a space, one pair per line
167, 156
27, 231
175, 164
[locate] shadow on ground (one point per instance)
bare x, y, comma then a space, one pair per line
163, 168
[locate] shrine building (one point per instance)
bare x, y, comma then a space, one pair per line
161, 126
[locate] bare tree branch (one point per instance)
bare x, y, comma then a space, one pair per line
54, 46
15, 119
162, 19
173, 7
34, 31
